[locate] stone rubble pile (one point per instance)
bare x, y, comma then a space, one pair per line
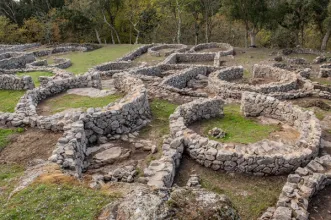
11, 82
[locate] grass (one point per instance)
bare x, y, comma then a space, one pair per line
53, 201
9, 99
308, 57
151, 60
35, 76
4, 136
323, 81
238, 128
67, 101
161, 111
82, 61
250, 195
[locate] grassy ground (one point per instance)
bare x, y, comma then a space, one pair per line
5, 134
250, 195
9, 99
151, 60
323, 81
44, 200
82, 61
238, 128
66, 101
35, 76
161, 110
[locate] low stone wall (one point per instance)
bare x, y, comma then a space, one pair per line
262, 158
227, 48
289, 51
125, 116
16, 48
177, 58
176, 48
11, 82
161, 173
294, 199
110, 68
61, 63
16, 60
325, 70
28, 103
220, 81
37, 63
65, 48
136, 53
178, 82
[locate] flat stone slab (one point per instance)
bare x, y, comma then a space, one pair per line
109, 155
90, 92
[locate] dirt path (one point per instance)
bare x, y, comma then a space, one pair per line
30, 145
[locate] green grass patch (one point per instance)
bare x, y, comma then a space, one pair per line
4, 136
66, 101
239, 129
55, 201
161, 111
323, 81
9, 99
82, 61
35, 76
148, 58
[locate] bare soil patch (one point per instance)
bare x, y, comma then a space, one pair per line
30, 145
320, 205
253, 81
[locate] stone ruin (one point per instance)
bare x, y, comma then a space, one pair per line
203, 90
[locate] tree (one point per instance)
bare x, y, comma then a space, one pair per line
209, 8
253, 13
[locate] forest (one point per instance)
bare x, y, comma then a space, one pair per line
242, 23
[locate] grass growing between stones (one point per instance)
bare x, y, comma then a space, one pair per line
5, 134
48, 200
67, 101
250, 195
238, 128
35, 76
82, 61
161, 111
9, 99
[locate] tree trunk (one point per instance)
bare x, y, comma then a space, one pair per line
97, 35
206, 26
252, 35
179, 23
112, 29
325, 39
246, 37
138, 32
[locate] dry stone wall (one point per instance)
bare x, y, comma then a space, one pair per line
11, 82
226, 49
284, 87
17, 48
173, 48
136, 53
16, 60
262, 158
300, 187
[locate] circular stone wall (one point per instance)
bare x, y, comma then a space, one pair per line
262, 158
173, 48
225, 49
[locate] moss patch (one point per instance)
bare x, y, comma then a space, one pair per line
35, 76
238, 128
66, 101
9, 99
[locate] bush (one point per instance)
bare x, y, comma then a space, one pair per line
283, 38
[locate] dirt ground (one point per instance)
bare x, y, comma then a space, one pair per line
320, 205
30, 145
